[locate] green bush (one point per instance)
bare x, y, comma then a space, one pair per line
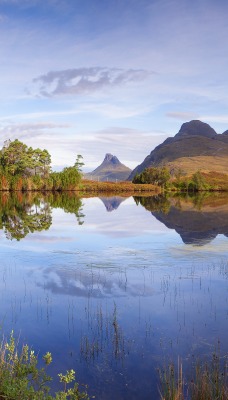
22, 379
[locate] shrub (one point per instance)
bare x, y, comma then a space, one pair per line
22, 379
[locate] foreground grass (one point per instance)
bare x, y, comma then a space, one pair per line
209, 381
22, 379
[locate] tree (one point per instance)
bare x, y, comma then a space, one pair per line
18, 158
199, 181
155, 176
44, 161
79, 163
70, 178
15, 157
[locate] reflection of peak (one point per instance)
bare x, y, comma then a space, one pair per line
198, 221
195, 227
112, 203
197, 238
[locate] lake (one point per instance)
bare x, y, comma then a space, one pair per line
115, 287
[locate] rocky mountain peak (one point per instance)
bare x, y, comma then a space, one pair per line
109, 158
196, 127
111, 169
195, 147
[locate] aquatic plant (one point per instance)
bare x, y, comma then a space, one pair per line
209, 380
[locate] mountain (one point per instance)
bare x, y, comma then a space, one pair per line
111, 169
195, 147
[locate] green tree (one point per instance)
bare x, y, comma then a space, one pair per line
155, 176
199, 181
79, 163
70, 178
15, 157
18, 158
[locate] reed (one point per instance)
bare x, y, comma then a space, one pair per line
209, 380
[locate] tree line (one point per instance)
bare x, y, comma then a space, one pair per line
178, 181
24, 168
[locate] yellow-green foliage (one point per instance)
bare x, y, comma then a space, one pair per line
200, 181
22, 379
156, 176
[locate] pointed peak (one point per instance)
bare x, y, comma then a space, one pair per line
111, 159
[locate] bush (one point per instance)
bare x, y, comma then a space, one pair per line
155, 176
22, 379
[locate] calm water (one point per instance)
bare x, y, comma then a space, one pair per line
116, 288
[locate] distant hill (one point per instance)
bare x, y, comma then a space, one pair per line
111, 169
195, 147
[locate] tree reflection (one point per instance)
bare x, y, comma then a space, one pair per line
21, 214
155, 203
69, 202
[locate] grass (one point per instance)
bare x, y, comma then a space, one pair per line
202, 163
210, 182
88, 186
208, 382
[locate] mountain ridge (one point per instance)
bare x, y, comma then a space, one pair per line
196, 146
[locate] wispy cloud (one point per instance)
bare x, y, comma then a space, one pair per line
80, 81
123, 142
186, 116
28, 131
183, 116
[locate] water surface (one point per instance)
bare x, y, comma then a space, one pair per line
115, 287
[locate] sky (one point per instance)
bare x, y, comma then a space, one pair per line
92, 77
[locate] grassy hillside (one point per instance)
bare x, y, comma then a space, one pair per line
195, 147
203, 163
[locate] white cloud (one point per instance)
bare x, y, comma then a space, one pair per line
81, 81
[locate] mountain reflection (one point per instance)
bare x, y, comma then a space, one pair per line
112, 203
21, 214
198, 220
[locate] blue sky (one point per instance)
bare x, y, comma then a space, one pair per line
91, 77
